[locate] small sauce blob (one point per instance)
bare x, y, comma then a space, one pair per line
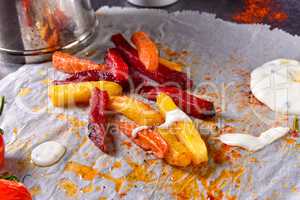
47, 154
251, 142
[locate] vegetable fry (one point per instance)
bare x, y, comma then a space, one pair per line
136, 110
161, 75
117, 71
116, 65
185, 131
190, 104
171, 65
178, 154
190, 137
80, 93
148, 139
70, 64
147, 50
97, 120
91, 75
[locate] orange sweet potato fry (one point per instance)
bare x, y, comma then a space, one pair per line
147, 139
70, 64
147, 50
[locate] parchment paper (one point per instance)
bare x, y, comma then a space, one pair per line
220, 56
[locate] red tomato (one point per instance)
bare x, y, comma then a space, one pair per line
2, 150
11, 190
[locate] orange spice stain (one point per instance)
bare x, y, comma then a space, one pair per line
87, 189
86, 155
235, 154
69, 187
207, 77
220, 154
139, 172
117, 181
84, 141
290, 141
76, 133
213, 95
35, 190
85, 172
229, 197
98, 188
228, 129
214, 187
294, 189
253, 100
244, 73
184, 185
24, 92
75, 122
36, 109
117, 165
102, 198
171, 54
88, 173
46, 81
260, 11
127, 144
253, 160
15, 131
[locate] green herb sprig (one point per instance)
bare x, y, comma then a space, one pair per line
296, 124
10, 178
2, 103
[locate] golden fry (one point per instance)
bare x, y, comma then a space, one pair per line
178, 154
185, 131
79, 93
136, 110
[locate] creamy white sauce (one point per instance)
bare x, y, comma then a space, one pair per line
173, 116
277, 84
47, 154
137, 130
253, 143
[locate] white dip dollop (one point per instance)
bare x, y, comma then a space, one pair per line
47, 154
173, 116
277, 84
137, 130
253, 143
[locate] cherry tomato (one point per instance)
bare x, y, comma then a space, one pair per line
12, 190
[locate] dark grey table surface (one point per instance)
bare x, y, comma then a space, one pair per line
223, 9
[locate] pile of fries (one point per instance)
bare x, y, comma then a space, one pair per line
106, 87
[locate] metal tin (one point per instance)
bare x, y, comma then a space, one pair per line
152, 3
31, 30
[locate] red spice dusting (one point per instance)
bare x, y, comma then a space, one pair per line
227, 129
259, 11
